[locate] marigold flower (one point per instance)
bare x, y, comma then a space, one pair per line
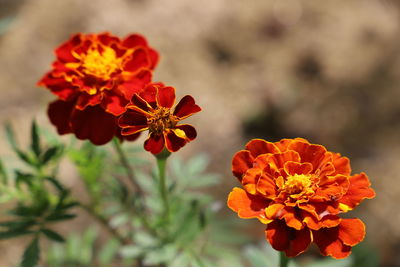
152, 110
299, 190
94, 77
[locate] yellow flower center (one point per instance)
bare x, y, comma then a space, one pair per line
160, 120
102, 64
297, 184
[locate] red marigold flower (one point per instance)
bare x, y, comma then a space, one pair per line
94, 77
299, 190
152, 110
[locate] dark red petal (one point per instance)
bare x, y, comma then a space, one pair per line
241, 162
286, 239
85, 100
139, 59
166, 96
129, 138
94, 124
186, 107
107, 39
173, 142
132, 118
154, 144
189, 130
114, 103
63, 52
134, 40
59, 113
327, 239
127, 131
139, 104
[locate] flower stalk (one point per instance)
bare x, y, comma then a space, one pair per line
283, 260
161, 163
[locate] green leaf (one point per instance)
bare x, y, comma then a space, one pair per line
60, 217
18, 225
35, 140
31, 254
49, 154
25, 178
3, 173
14, 233
56, 183
108, 252
52, 235
10, 137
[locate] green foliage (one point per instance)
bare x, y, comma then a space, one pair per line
36, 203
31, 254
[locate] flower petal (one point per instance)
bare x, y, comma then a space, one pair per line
286, 239
175, 139
94, 124
292, 168
133, 84
139, 59
154, 144
59, 113
359, 189
241, 162
59, 86
132, 118
84, 100
189, 130
166, 96
186, 107
63, 52
341, 164
351, 231
327, 239
314, 154
246, 205
114, 103
134, 40
259, 146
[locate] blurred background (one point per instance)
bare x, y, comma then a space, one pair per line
328, 71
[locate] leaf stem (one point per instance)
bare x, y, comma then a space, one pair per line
284, 261
124, 161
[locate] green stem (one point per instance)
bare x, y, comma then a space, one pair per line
161, 163
284, 261
128, 168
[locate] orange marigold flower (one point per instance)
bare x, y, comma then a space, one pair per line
95, 76
299, 190
152, 110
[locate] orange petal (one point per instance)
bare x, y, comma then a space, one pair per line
241, 162
259, 146
314, 154
292, 218
273, 211
266, 186
351, 231
292, 168
246, 205
359, 190
327, 239
250, 180
315, 223
283, 144
287, 239
341, 164
332, 188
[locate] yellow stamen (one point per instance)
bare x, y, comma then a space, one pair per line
298, 184
161, 120
102, 64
